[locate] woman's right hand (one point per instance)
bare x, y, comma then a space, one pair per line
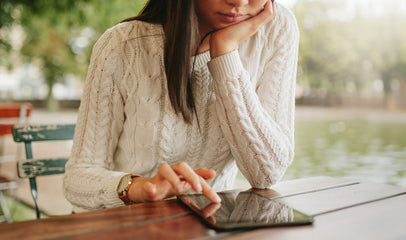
171, 181
227, 39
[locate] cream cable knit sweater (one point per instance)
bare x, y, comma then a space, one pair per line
244, 100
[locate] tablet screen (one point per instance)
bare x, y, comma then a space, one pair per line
244, 210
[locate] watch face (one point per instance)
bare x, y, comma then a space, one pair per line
123, 183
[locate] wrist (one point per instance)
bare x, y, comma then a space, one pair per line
220, 51
219, 47
123, 189
136, 190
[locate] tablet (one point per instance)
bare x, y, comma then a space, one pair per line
244, 210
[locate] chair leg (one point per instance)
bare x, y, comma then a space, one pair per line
4, 207
34, 193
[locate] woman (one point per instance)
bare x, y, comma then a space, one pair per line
178, 97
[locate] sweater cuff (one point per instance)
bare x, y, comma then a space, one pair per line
111, 197
226, 66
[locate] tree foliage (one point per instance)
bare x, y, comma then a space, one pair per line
347, 54
339, 56
58, 35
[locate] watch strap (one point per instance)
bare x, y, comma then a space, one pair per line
123, 195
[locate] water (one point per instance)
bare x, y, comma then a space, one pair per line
355, 147
366, 145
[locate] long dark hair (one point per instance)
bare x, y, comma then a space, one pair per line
182, 36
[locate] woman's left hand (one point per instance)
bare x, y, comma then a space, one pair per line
227, 39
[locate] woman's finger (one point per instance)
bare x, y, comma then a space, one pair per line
263, 17
209, 192
179, 177
205, 173
198, 183
227, 39
188, 175
210, 209
165, 172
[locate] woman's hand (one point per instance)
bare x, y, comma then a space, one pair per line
227, 39
170, 181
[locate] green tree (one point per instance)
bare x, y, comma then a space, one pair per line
387, 53
343, 55
52, 30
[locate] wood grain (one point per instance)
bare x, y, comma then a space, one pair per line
187, 227
94, 221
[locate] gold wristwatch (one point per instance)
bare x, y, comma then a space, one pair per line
124, 186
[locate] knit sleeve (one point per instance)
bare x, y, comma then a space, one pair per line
89, 182
258, 121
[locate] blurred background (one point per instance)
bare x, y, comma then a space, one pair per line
350, 93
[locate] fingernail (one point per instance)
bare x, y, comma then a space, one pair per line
218, 198
180, 188
199, 188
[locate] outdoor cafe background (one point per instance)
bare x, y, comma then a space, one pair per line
350, 93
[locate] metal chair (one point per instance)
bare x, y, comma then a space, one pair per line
10, 114
31, 168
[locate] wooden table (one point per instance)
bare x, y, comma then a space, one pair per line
342, 210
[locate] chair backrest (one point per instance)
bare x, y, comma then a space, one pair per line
32, 168
12, 113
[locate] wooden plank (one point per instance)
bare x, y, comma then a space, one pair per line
187, 227
304, 185
27, 133
13, 110
316, 203
12, 113
6, 129
94, 221
41, 167
381, 220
